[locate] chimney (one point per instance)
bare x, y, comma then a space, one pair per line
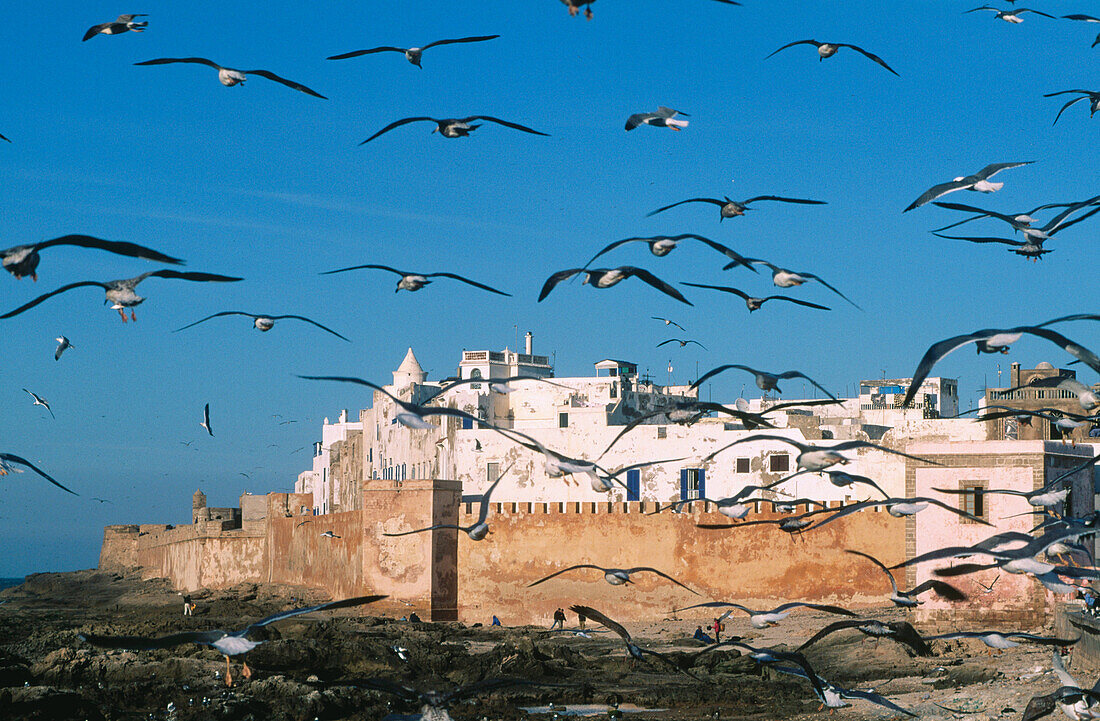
527, 342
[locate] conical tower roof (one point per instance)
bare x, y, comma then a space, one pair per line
409, 371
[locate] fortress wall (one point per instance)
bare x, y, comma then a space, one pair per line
752, 564
298, 554
119, 549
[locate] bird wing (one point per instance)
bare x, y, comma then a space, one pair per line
972, 209
51, 294
142, 643
165, 61
1076, 350
831, 628
846, 511
970, 239
421, 530
556, 278
730, 253
715, 604
872, 56
368, 266
849, 445
571, 568
472, 39
712, 201
483, 509
670, 322
467, 281
878, 563
784, 200
1059, 669
307, 320
937, 191
763, 436
806, 303
201, 277
94, 30
357, 53
598, 617
638, 119
990, 170
385, 686
820, 280
1037, 12
1042, 640
206, 419
130, 249
1040, 706
877, 699
645, 275
24, 462
397, 124
613, 246
662, 574
289, 83
800, 374
358, 381
345, 603
715, 371
505, 123
938, 351
216, 315
816, 606
791, 45
3, 138
942, 589
723, 288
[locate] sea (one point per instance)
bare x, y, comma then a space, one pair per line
9, 582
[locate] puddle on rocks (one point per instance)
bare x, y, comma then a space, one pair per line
593, 709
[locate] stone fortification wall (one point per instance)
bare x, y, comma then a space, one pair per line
747, 565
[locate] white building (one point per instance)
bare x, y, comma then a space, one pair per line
580, 417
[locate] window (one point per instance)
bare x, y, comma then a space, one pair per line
779, 463
662, 431
614, 390
467, 424
692, 483
971, 500
742, 465
634, 485
492, 472
563, 420
475, 373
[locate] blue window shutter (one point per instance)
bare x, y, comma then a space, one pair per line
633, 485
702, 483
683, 484
467, 424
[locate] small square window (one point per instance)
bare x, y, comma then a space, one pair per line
972, 501
662, 431
742, 465
779, 463
563, 420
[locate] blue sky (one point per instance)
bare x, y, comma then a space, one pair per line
270, 184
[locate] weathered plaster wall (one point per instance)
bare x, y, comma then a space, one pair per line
752, 564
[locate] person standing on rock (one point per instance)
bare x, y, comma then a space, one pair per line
718, 628
187, 605
559, 620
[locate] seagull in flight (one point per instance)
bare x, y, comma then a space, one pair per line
979, 182
818, 458
899, 631
636, 652
415, 281
411, 415
765, 381
753, 302
733, 208
827, 50
206, 420
228, 643
39, 401
1093, 96
614, 576
682, 342
662, 245
121, 293
413, 54
121, 25
6, 459
22, 260
1086, 19
230, 77
329, 534
454, 127
663, 118
607, 277
1009, 16
908, 599
262, 322
1004, 639
63, 345
1032, 247
476, 531
666, 321
1023, 222
785, 278
768, 618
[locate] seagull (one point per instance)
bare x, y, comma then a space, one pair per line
230, 77
900, 508
768, 656
3, 138
900, 631
817, 458
6, 459
262, 322
840, 479
454, 127
636, 652
833, 696
1092, 96
607, 277
121, 25
669, 322
996, 340
908, 599
329, 534
1063, 420
766, 619
476, 531
413, 54
411, 415
662, 245
206, 419
121, 292
1032, 247
1046, 496
416, 281
682, 342
979, 182
22, 260
784, 278
1010, 16
614, 576
732, 208
827, 50
989, 588
1023, 222
1087, 19
227, 643
686, 411
754, 303
63, 345
663, 118
793, 525
1003, 640
765, 381
1088, 399
736, 507
39, 401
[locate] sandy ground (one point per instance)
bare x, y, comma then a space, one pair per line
48, 673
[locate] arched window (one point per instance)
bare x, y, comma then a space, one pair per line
475, 373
